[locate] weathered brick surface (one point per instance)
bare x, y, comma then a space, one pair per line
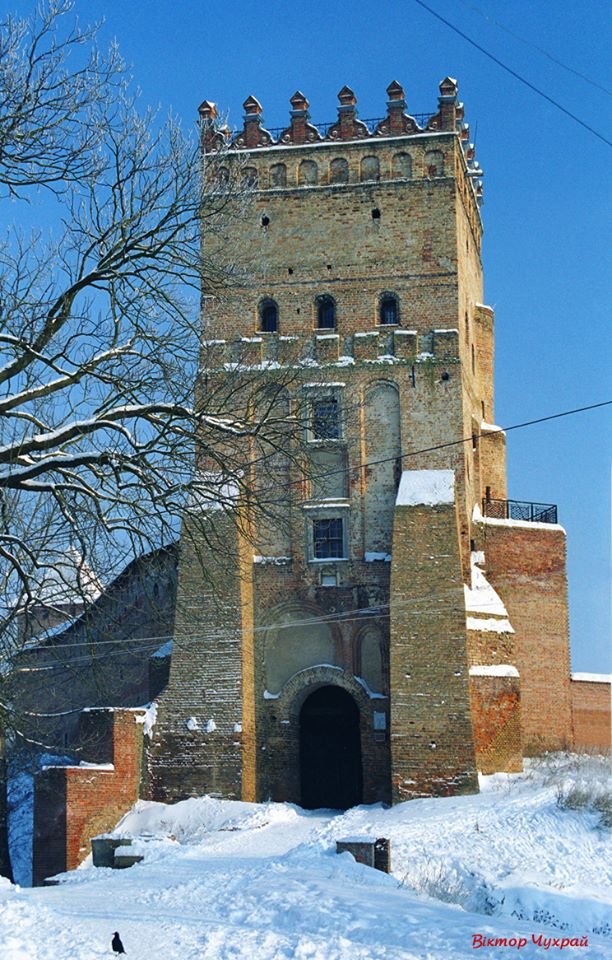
591, 714
73, 804
205, 687
432, 746
526, 564
353, 217
496, 721
119, 632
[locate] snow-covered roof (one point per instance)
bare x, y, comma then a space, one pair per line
69, 580
593, 677
426, 487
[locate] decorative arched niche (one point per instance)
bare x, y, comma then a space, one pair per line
370, 168
298, 639
278, 175
250, 177
338, 170
402, 165
434, 163
308, 173
370, 659
382, 435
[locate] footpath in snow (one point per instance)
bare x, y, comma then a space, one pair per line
510, 868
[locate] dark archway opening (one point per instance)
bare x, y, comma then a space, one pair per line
330, 750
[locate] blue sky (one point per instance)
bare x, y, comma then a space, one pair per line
547, 195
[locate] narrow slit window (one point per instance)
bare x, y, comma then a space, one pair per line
389, 309
268, 316
326, 313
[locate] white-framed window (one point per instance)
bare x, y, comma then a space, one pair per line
327, 531
328, 535
324, 415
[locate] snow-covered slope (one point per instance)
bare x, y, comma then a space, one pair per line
225, 880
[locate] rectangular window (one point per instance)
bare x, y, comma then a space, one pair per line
325, 418
328, 539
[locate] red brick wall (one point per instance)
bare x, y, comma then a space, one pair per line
73, 804
526, 565
496, 722
591, 714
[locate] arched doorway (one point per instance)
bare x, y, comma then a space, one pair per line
330, 750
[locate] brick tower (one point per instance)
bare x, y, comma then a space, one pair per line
356, 648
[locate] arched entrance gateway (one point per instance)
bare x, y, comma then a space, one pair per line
330, 750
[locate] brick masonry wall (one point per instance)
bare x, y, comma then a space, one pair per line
324, 239
130, 620
591, 715
74, 804
416, 235
212, 671
432, 746
197, 743
496, 721
526, 563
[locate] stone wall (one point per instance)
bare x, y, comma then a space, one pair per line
197, 743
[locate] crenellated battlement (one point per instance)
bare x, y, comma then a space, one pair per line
271, 351
397, 122
347, 129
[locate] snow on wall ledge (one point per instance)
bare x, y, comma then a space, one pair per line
477, 517
426, 488
494, 670
592, 677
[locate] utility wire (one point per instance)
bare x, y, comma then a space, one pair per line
528, 43
364, 464
514, 74
454, 443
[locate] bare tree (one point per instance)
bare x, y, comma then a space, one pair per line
99, 322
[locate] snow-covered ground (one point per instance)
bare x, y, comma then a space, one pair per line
225, 880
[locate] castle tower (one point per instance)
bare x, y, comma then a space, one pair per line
328, 658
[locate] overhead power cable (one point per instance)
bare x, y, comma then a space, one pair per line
513, 73
535, 46
414, 453
455, 443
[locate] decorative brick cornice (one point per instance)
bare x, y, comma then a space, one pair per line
300, 130
397, 122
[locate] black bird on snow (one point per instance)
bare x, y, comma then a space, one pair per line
116, 943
